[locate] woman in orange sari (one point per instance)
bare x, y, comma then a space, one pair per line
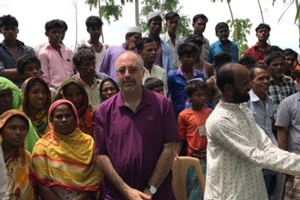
14, 126
74, 91
64, 163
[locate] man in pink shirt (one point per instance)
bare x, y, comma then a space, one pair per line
55, 58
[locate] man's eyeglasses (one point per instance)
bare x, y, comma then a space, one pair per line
132, 70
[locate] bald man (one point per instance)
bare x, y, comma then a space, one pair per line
238, 149
136, 137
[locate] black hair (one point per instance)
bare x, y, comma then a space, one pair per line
8, 20
261, 26
186, 48
156, 18
140, 43
108, 80
25, 60
93, 21
273, 55
199, 16
247, 61
221, 25
64, 25
152, 82
253, 68
225, 76
193, 85
222, 58
81, 53
21, 117
55, 23
196, 39
289, 51
171, 15
273, 48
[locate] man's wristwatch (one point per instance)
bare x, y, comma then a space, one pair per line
151, 189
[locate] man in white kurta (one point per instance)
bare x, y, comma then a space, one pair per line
238, 148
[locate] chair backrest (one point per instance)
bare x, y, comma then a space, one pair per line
180, 168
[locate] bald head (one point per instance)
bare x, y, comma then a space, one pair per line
234, 81
228, 73
129, 56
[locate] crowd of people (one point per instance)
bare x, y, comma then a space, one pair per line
106, 122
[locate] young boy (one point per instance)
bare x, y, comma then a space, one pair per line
155, 84
192, 131
29, 66
177, 80
84, 61
94, 28
55, 58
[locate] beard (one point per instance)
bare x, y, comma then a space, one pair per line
240, 98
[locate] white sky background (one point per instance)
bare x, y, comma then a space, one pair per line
33, 14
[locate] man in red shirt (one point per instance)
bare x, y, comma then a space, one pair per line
258, 50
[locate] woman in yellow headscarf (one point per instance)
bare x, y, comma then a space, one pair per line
37, 100
14, 126
64, 163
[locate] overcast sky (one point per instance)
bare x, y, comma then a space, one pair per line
32, 15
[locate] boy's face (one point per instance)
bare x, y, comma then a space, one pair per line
173, 24
188, 60
10, 32
54, 35
32, 70
87, 68
159, 90
198, 97
95, 32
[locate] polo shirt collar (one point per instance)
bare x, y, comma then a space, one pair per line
179, 72
145, 98
2, 44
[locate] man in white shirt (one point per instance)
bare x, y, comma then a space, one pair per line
147, 50
171, 37
238, 149
3, 178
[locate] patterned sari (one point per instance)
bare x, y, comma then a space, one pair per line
18, 99
18, 166
66, 162
85, 111
40, 120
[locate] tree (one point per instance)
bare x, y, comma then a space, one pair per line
289, 4
76, 22
167, 6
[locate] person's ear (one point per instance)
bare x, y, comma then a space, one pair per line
46, 33
17, 30
228, 89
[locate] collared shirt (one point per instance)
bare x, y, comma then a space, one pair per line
7, 60
280, 92
134, 141
92, 91
262, 113
3, 177
56, 68
205, 49
256, 53
217, 47
176, 88
288, 115
166, 38
159, 73
108, 63
237, 151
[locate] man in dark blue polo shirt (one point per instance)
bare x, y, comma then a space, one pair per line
11, 49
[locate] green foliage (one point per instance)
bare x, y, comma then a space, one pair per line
109, 9
169, 5
241, 28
